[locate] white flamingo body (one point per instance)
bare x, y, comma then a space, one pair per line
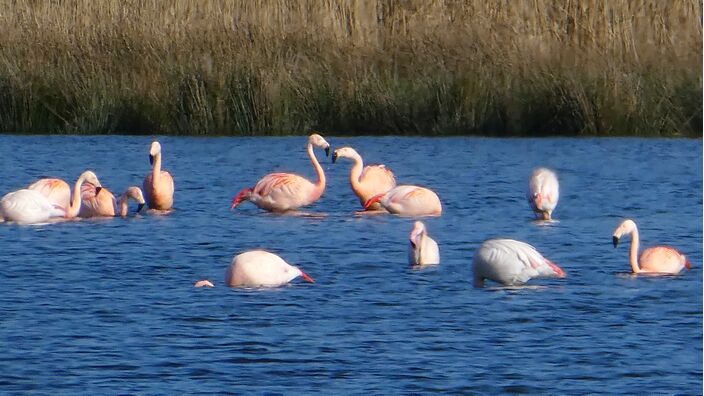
543, 192
280, 192
422, 249
366, 181
653, 260
28, 207
259, 268
510, 263
406, 200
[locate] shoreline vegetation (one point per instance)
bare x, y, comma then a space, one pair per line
406, 67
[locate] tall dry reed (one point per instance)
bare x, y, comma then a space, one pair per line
502, 67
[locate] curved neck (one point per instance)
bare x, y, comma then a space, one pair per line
320, 184
123, 204
75, 205
156, 168
633, 254
356, 171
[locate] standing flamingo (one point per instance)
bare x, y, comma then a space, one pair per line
423, 250
158, 185
102, 203
511, 262
408, 201
27, 206
59, 193
543, 192
653, 260
256, 268
279, 192
366, 181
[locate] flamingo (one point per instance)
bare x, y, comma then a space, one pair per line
653, 260
279, 192
423, 250
58, 192
27, 206
543, 192
158, 185
102, 203
256, 268
366, 181
511, 262
408, 201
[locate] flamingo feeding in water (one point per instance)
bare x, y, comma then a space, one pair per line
423, 250
27, 206
653, 260
102, 203
158, 186
257, 268
279, 192
510, 263
58, 192
366, 181
543, 192
408, 201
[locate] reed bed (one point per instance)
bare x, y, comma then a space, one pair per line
431, 67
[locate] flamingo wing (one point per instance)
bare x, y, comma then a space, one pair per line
56, 190
665, 259
28, 206
282, 191
378, 176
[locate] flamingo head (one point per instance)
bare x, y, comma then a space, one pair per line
343, 152
625, 228
243, 195
318, 141
154, 149
416, 233
90, 177
305, 276
135, 193
536, 200
371, 201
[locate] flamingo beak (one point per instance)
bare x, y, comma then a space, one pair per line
687, 264
615, 241
97, 190
334, 157
139, 208
327, 151
151, 159
306, 277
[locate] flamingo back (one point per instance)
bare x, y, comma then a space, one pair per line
259, 268
511, 262
283, 191
662, 259
56, 190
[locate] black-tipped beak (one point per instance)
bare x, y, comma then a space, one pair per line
97, 190
327, 151
151, 159
139, 208
334, 157
615, 240
413, 244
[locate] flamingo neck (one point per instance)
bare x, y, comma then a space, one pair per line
356, 172
633, 254
156, 168
123, 204
75, 206
320, 184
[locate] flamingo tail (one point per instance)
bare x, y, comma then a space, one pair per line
371, 201
241, 196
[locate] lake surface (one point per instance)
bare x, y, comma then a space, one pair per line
108, 306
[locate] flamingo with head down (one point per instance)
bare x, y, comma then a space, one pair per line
543, 192
27, 206
102, 203
58, 192
408, 201
366, 181
259, 268
510, 263
279, 192
423, 250
653, 260
158, 185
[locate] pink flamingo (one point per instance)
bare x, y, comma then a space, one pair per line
279, 192
543, 192
27, 206
158, 185
59, 193
423, 250
102, 203
408, 201
256, 268
510, 263
366, 181
653, 260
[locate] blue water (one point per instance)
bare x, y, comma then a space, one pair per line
108, 306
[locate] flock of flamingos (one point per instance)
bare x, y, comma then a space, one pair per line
505, 261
